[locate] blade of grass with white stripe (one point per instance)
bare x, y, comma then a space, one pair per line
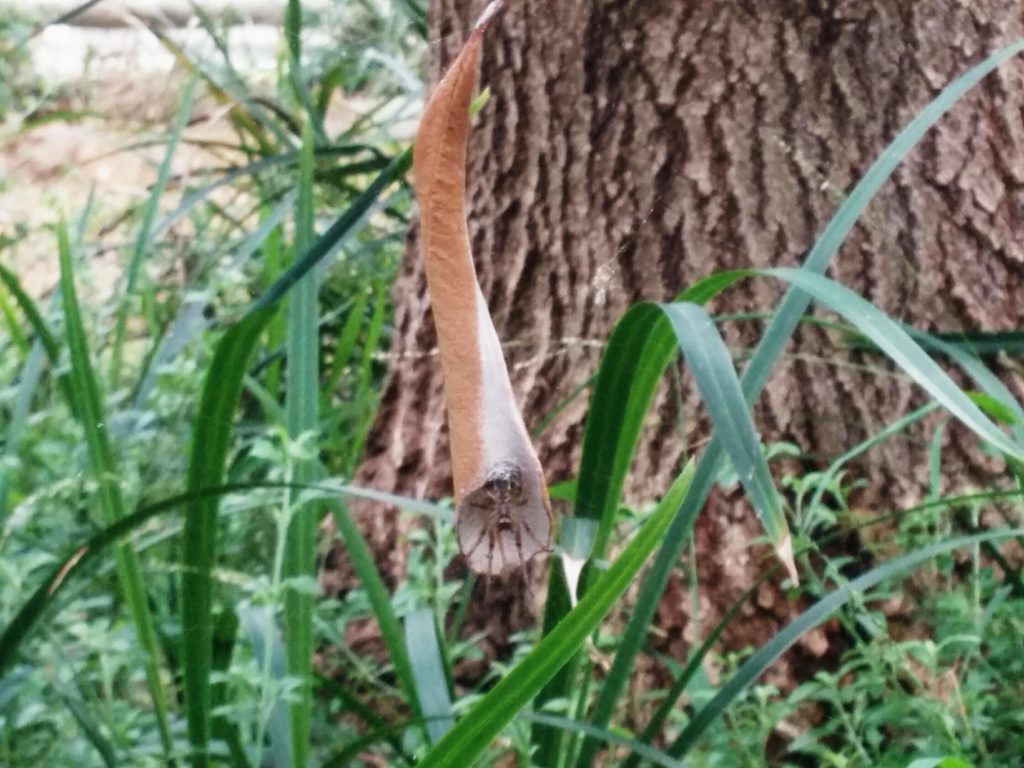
86, 392
422, 643
143, 238
775, 337
766, 655
301, 407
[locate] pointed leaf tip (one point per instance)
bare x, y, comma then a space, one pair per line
489, 13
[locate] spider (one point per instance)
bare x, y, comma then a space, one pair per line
503, 511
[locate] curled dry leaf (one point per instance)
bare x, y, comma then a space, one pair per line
502, 511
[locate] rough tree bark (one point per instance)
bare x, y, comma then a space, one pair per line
630, 148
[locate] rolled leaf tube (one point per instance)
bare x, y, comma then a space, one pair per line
502, 511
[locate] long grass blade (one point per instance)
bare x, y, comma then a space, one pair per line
301, 406
211, 442
143, 239
361, 557
897, 344
86, 391
423, 644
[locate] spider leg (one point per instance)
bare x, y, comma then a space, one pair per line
522, 560
477, 543
490, 552
544, 546
489, 576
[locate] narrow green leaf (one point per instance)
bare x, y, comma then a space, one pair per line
422, 643
293, 37
301, 406
92, 731
211, 442
18, 337
721, 394
346, 344
895, 342
86, 392
361, 557
143, 237
32, 313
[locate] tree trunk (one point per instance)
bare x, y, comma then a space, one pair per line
629, 148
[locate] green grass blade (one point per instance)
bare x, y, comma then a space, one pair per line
336, 232
637, 354
91, 729
143, 238
86, 391
895, 342
224, 729
639, 350
18, 338
722, 395
422, 643
977, 370
365, 395
720, 391
471, 735
293, 38
211, 441
301, 407
345, 345
32, 313
756, 665
361, 557
775, 337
